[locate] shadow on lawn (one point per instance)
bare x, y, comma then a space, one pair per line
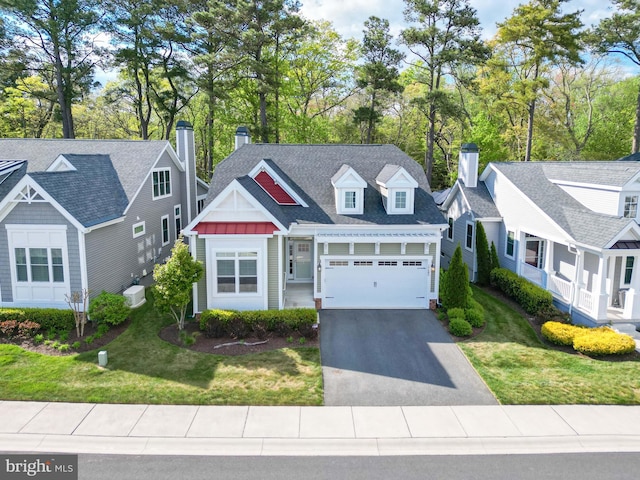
139, 350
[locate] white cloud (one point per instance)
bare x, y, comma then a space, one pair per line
348, 16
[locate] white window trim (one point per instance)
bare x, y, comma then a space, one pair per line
236, 259
344, 201
162, 219
450, 229
62, 245
133, 229
177, 216
473, 235
408, 200
506, 244
637, 204
159, 197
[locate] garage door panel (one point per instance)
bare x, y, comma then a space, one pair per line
376, 283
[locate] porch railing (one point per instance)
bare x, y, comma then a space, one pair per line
586, 300
532, 274
560, 287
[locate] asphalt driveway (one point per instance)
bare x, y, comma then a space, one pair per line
394, 357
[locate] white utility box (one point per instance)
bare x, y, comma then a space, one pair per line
135, 295
102, 358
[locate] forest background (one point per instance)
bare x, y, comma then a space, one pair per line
543, 87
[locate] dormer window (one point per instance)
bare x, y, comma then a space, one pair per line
350, 200
397, 188
349, 191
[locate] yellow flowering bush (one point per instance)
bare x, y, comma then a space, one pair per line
561, 333
604, 341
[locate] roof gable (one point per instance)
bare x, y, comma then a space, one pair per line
347, 177
394, 176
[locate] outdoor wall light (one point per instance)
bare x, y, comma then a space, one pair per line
319, 266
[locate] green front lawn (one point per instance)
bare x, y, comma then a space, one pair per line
143, 368
519, 369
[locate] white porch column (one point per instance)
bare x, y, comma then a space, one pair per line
632, 297
579, 283
602, 297
548, 262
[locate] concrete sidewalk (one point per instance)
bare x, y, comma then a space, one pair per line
227, 430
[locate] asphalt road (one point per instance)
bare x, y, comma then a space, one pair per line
394, 357
592, 466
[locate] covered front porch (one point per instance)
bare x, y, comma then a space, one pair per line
595, 287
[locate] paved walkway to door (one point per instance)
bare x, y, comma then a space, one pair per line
394, 357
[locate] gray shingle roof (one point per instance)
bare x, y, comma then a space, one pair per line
387, 173
582, 224
308, 169
480, 201
597, 173
131, 159
82, 191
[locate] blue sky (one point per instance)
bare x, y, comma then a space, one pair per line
348, 16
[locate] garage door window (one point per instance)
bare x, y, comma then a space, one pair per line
363, 263
411, 263
237, 272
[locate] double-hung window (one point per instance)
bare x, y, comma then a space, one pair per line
628, 270
349, 200
510, 244
469, 236
161, 183
630, 206
237, 272
450, 230
39, 265
165, 230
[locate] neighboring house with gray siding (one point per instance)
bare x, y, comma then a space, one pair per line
335, 226
89, 214
570, 227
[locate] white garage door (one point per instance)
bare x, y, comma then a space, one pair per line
380, 282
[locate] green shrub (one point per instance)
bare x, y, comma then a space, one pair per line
561, 333
102, 329
455, 291
75, 345
64, 336
474, 317
39, 338
456, 312
109, 308
460, 327
63, 347
47, 318
483, 256
218, 323
89, 340
495, 261
214, 322
603, 341
530, 297
188, 339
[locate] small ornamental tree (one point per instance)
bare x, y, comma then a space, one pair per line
456, 291
174, 282
495, 261
483, 257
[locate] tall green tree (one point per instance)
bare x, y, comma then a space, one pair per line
174, 282
456, 291
620, 34
379, 73
58, 34
543, 35
483, 256
255, 32
446, 38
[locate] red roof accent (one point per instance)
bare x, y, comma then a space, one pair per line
273, 189
235, 228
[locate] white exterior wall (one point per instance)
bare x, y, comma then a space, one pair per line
599, 200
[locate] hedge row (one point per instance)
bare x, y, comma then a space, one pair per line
241, 324
590, 341
48, 318
530, 297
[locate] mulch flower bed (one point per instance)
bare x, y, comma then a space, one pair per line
89, 329
205, 344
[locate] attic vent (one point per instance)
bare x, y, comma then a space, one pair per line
61, 164
274, 190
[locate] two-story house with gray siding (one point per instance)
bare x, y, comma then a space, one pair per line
90, 214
